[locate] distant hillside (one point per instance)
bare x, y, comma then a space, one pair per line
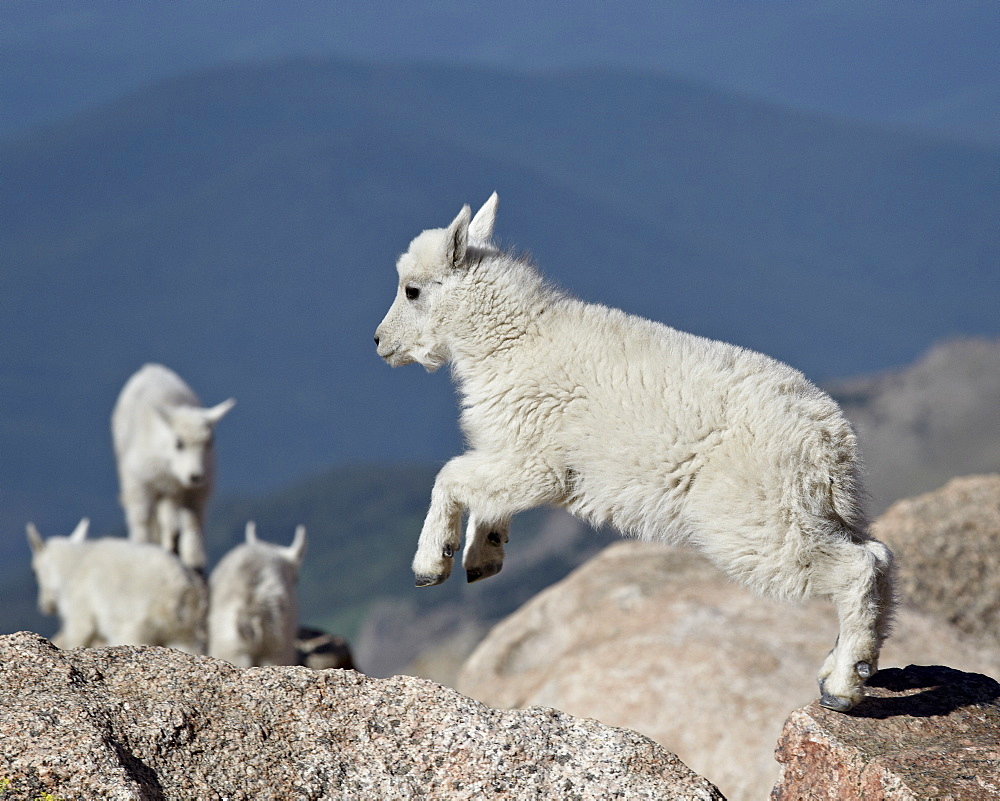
241, 226
929, 422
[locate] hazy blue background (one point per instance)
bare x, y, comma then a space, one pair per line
224, 186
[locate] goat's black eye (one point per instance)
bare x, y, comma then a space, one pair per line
180, 444
412, 293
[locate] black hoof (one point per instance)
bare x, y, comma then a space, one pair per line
864, 670
477, 573
835, 702
429, 581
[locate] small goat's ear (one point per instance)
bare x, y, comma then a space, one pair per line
217, 412
297, 549
250, 532
457, 239
481, 227
163, 412
35, 540
80, 532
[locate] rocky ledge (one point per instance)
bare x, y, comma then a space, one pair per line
152, 723
923, 732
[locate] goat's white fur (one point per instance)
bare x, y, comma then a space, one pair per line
163, 446
253, 615
662, 434
110, 591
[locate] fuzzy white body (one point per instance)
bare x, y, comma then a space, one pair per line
253, 618
627, 422
166, 465
111, 591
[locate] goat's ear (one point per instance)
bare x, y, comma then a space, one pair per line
297, 549
457, 239
35, 540
163, 412
217, 412
250, 532
481, 227
80, 532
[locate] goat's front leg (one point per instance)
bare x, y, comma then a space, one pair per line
140, 509
440, 536
484, 551
493, 487
190, 544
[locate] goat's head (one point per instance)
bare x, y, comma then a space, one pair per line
52, 564
435, 262
191, 431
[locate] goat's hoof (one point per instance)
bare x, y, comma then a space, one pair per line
429, 581
836, 702
864, 670
485, 571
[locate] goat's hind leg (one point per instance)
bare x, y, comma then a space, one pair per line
860, 585
484, 551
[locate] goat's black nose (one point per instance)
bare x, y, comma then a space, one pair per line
376, 339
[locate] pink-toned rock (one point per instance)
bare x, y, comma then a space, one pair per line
923, 732
143, 723
947, 545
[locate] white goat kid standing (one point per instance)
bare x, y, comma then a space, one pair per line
665, 435
253, 617
110, 591
163, 445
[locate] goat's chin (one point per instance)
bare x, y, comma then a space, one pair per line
398, 359
431, 362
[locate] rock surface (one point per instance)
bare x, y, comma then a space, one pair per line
152, 723
923, 732
657, 640
947, 544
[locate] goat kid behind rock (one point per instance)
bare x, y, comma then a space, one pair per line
664, 435
254, 606
110, 591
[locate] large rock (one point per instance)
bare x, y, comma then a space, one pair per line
657, 640
924, 732
151, 723
947, 544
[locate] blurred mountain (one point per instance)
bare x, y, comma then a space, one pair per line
927, 66
926, 423
240, 225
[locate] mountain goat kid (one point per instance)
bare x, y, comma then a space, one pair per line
664, 435
253, 617
110, 591
163, 446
